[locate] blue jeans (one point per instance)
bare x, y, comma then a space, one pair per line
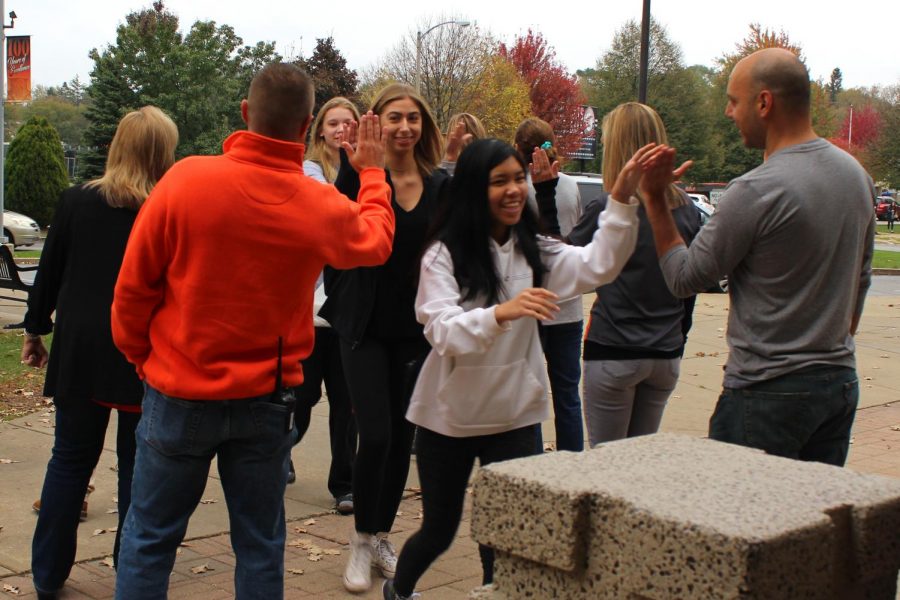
78, 443
805, 415
176, 441
562, 349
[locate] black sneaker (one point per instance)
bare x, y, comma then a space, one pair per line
292, 475
388, 592
344, 504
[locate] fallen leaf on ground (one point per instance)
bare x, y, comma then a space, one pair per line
208, 501
295, 571
895, 427
331, 552
108, 562
7, 461
314, 557
112, 511
11, 589
186, 545
201, 569
113, 529
701, 354
399, 513
98, 532
309, 522
300, 530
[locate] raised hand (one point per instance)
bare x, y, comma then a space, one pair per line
541, 169
626, 184
532, 302
369, 151
349, 136
456, 141
658, 173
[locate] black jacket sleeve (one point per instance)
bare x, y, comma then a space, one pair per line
548, 219
48, 279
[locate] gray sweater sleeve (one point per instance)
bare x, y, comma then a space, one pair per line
718, 248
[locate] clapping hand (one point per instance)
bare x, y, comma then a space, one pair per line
369, 151
626, 184
456, 141
658, 173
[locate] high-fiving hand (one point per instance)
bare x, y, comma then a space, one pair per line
369, 151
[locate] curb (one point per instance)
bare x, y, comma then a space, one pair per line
885, 271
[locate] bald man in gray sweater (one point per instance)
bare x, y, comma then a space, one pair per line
795, 237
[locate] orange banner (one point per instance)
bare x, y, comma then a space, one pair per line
18, 68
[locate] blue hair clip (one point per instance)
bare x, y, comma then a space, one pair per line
546, 146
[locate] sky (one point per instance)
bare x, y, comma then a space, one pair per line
831, 33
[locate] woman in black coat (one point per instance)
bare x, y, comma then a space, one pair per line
86, 375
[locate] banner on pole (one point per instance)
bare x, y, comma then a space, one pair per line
18, 68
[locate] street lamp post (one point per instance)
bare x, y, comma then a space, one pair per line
12, 23
419, 36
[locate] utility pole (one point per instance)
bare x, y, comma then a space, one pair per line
645, 53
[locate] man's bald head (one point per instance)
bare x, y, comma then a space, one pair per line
783, 74
280, 102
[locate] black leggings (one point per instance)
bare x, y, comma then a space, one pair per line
380, 377
445, 465
324, 364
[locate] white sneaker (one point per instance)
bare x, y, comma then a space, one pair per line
482, 591
384, 557
358, 573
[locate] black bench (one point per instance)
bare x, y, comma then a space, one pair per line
14, 277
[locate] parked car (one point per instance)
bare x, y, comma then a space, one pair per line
19, 229
590, 185
883, 205
706, 211
703, 205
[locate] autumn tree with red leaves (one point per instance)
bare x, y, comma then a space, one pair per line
555, 95
866, 127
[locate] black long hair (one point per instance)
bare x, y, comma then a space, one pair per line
464, 223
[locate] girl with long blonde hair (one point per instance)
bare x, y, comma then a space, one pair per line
87, 376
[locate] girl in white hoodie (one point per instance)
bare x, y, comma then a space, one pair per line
485, 280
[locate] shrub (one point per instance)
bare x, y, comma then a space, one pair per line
35, 171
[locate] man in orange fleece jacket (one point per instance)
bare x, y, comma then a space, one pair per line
219, 271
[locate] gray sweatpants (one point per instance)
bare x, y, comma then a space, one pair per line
626, 398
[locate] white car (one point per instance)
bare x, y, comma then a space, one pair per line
590, 186
19, 229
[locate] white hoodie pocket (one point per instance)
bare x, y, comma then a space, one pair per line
489, 396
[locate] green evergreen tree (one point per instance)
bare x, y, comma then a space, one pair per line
329, 72
35, 171
198, 78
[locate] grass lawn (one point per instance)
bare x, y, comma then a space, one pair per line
886, 259
20, 386
27, 254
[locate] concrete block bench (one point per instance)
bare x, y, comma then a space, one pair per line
675, 517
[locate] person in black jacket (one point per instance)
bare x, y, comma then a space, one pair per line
86, 375
382, 344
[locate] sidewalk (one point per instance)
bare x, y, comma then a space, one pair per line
317, 537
